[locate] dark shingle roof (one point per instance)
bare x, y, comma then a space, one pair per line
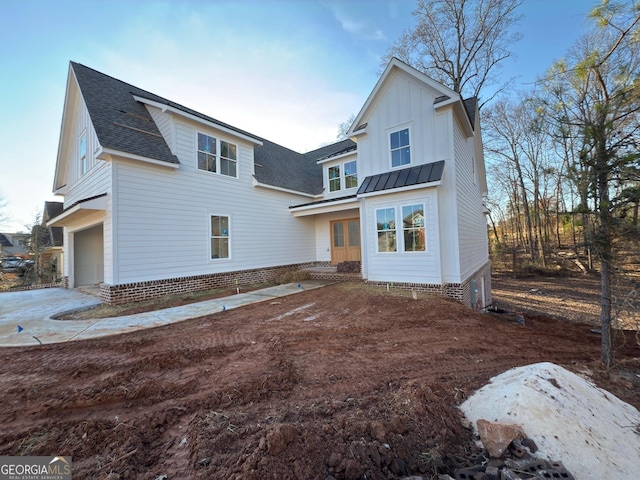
4, 241
56, 234
120, 122
124, 124
470, 106
278, 166
429, 172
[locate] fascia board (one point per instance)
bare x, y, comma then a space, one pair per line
181, 113
59, 177
256, 183
107, 155
337, 157
401, 189
324, 208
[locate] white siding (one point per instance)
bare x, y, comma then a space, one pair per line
405, 102
323, 232
472, 226
165, 125
325, 172
163, 216
418, 267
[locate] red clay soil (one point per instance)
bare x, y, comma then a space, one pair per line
346, 381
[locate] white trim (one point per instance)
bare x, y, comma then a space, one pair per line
217, 156
182, 113
83, 208
337, 157
376, 231
256, 183
328, 207
107, 155
84, 161
211, 236
401, 189
399, 128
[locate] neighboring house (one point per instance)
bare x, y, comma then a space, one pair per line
160, 198
14, 244
51, 243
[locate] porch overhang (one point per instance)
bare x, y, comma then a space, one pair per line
325, 206
79, 210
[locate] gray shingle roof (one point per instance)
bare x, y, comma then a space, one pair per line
124, 124
56, 234
120, 122
429, 172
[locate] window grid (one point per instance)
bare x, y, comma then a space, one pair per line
219, 237
224, 163
400, 148
386, 229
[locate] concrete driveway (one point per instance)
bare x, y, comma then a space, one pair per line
25, 317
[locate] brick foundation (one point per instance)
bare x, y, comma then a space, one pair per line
138, 291
457, 291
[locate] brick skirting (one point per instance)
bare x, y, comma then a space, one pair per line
138, 291
458, 291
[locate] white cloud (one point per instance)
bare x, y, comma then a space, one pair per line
354, 24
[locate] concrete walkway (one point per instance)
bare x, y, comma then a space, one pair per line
25, 317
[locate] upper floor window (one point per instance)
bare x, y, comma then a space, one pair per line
351, 174
228, 158
400, 148
82, 153
343, 178
209, 160
334, 178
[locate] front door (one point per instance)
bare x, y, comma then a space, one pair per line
345, 241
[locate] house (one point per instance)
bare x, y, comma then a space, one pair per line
51, 243
14, 244
160, 198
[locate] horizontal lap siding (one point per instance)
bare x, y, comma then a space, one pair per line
163, 218
472, 227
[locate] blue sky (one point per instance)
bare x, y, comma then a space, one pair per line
290, 71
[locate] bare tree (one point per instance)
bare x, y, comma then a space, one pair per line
3, 209
344, 127
460, 43
594, 95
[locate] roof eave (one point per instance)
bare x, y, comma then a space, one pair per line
168, 108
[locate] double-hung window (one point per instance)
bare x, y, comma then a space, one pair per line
400, 148
334, 178
386, 229
206, 152
219, 236
208, 159
409, 237
413, 228
351, 174
343, 176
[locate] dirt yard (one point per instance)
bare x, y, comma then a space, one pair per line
346, 381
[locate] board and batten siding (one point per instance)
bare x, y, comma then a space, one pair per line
404, 102
472, 225
163, 217
410, 267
